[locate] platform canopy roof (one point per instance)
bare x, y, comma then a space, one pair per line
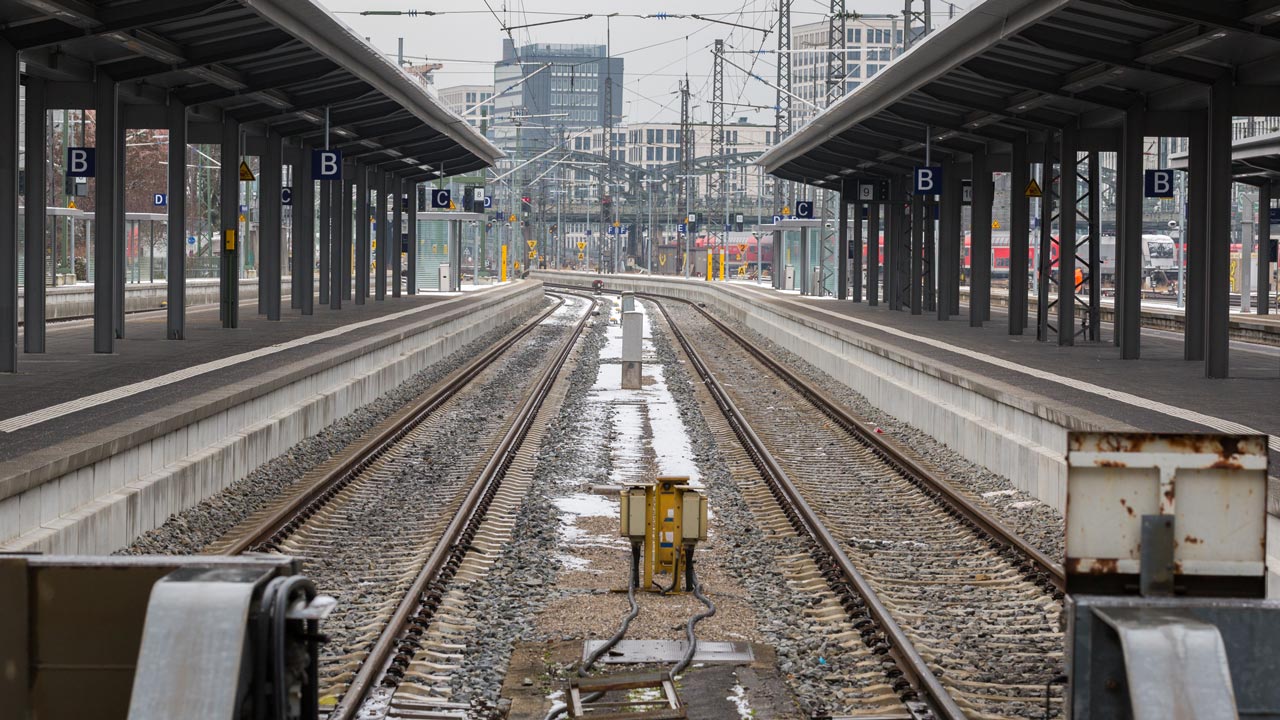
1009, 70
270, 64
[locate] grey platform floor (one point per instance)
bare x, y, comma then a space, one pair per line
69, 370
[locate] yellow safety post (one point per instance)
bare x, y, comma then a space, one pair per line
722, 263
502, 274
710, 261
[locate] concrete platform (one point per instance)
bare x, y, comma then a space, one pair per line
95, 449
71, 301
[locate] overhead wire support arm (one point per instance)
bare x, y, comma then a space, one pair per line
549, 22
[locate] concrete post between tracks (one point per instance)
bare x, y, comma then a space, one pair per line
632, 349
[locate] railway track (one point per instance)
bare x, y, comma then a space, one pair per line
387, 523
965, 608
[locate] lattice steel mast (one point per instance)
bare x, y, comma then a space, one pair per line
836, 56
718, 195
782, 108
686, 165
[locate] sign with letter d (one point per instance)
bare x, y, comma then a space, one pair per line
326, 165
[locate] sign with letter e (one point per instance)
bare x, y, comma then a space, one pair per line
326, 164
928, 181
1159, 184
81, 161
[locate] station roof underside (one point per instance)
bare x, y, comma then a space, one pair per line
1013, 70
272, 65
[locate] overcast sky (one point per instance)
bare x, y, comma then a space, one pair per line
658, 52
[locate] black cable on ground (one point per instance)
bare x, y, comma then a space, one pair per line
633, 581
696, 587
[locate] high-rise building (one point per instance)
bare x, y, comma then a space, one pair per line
871, 42
466, 101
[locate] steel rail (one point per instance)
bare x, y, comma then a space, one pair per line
989, 528
908, 659
452, 544
269, 532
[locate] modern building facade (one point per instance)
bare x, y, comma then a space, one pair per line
871, 42
466, 101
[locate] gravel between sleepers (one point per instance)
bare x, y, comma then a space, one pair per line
1036, 522
189, 531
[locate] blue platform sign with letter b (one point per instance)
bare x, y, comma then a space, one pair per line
326, 165
1159, 184
81, 161
928, 181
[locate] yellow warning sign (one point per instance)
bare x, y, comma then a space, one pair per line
533, 254
374, 244
452, 206
580, 256
786, 211
617, 224
582, 246
512, 218
71, 204
1033, 189
742, 248
241, 217
532, 243
229, 240
662, 259
246, 175
995, 224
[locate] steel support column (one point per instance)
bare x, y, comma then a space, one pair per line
229, 219
804, 261
362, 210
412, 283
873, 253
325, 233
1129, 239
397, 235
917, 253
1067, 163
1019, 236
980, 245
177, 202
1264, 248
384, 234
10, 88
930, 272
842, 245
34, 230
304, 230
1095, 247
106, 212
339, 230
949, 237
118, 287
779, 265
348, 222
1218, 289
1044, 254
270, 230
858, 250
